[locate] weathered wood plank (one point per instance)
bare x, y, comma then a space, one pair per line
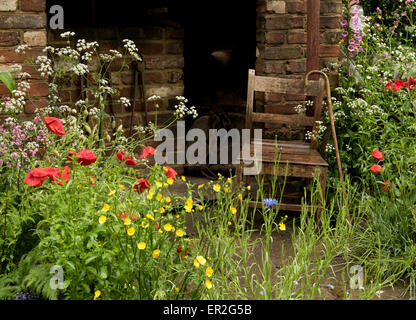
286, 86
283, 119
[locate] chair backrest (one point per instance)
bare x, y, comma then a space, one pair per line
315, 89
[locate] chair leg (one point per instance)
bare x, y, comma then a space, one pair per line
321, 201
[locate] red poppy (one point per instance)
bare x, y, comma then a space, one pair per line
142, 184
377, 155
157, 225
54, 125
86, 157
59, 175
179, 250
386, 185
170, 173
121, 155
130, 161
376, 168
92, 181
36, 176
148, 151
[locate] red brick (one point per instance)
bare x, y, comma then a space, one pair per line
330, 22
273, 67
174, 76
150, 48
275, 37
38, 89
9, 38
283, 22
296, 7
297, 37
261, 6
11, 56
328, 51
282, 53
296, 66
33, 5
32, 105
174, 47
153, 77
164, 62
34, 74
22, 21
174, 33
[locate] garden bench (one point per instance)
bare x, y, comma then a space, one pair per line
299, 159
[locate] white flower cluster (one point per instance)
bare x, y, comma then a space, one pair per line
68, 52
125, 102
329, 148
21, 48
67, 34
181, 110
83, 45
80, 103
154, 98
94, 112
80, 69
317, 132
45, 66
115, 53
300, 109
132, 49
64, 109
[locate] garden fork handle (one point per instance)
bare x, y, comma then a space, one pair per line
334, 134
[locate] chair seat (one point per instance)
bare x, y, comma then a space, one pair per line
292, 152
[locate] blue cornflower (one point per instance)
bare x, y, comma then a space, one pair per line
268, 202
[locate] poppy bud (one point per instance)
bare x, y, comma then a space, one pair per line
120, 128
56, 153
86, 112
87, 128
108, 138
73, 111
179, 250
113, 124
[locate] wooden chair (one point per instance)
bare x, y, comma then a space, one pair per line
301, 157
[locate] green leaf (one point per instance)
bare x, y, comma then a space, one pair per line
8, 81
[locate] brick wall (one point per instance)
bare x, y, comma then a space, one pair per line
282, 42
23, 22
163, 62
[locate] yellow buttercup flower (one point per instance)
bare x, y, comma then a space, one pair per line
183, 178
170, 181
229, 180
168, 199
158, 184
106, 207
149, 216
149, 196
111, 192
201, 186
141, 245
180, 233
176, 289
282, 226
127, 221
201, 260
229, 223
248, 188
165, 169
165, 184
233, 210
121, 186
240, 196
160, 231
196, 264
209, 272
159, 197
188, 208
168, 227
97, 293
200, 208
131, 231
227, 190
156, 253
208, 284
162, 210
189, 201
102, 219
145, 224
216, 187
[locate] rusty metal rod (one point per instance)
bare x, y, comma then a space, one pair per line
334, 133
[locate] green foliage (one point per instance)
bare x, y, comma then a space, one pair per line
8, 81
